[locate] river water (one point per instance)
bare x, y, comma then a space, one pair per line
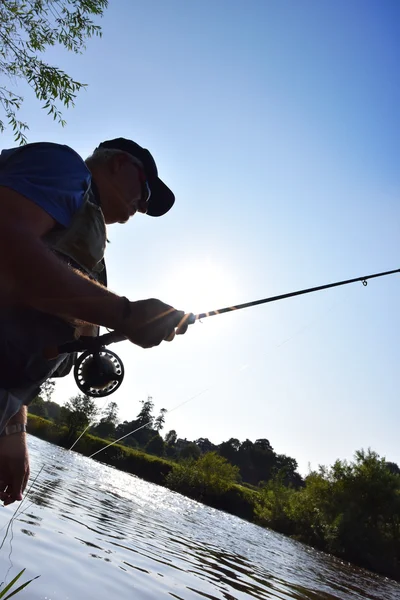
91, 531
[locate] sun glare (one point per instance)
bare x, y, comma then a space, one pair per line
202, 287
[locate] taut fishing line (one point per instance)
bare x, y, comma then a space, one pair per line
232, 374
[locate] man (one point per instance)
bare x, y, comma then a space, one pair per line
54, 208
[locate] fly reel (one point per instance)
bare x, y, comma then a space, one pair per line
98, 374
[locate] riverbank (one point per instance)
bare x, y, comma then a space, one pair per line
351, 511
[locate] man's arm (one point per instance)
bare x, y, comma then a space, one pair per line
14, 461
34, 275
20, 417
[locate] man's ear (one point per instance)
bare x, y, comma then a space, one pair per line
116, 161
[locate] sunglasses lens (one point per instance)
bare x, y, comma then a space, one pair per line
146, 191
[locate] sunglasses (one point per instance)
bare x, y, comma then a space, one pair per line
146, 192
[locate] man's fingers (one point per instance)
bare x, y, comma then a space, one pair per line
26, 479
17, 485
170, 337
183, 325
8, 500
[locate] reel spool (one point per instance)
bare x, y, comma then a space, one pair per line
98, 374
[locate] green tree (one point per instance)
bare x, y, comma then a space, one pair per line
170, 441
272, 507
189, 450
353, 511
141, 427
107, 424
47, 389
156, 445
110, 413
205, 445
27, 29
171, 437
286, 468
230, 450
38, 407
145, 417
218, 473
77, 413
123, 429
209, 476
160, 420
53, 410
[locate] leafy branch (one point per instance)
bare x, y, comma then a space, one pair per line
27, 29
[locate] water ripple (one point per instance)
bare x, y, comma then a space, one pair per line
149, 543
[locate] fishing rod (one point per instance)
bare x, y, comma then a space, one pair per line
99, 372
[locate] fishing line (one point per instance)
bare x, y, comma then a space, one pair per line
149, 423
229, 375
18, 510
9, 526
113, 337
88, 427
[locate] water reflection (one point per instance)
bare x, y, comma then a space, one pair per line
149, 543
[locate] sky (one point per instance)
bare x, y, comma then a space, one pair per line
276, 124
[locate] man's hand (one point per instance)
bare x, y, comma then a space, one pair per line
14, 467
151, 322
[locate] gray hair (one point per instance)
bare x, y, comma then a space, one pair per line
102, 155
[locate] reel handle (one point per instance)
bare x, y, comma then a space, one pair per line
93, 344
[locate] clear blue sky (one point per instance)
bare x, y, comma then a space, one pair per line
277, 125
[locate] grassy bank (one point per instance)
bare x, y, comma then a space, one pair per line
350, 510
235, 499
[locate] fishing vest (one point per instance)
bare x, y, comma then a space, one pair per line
25, 333
83, 243
82, 246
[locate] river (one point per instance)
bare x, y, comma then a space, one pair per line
92, 532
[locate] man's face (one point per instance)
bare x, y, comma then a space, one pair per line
124, 186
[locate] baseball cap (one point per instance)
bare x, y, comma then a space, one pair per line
162, 198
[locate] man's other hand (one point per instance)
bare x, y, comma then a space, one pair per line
14, 467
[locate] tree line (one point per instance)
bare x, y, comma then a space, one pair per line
351, 509
256, 462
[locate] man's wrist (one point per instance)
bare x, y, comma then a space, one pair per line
13, 429
19, 418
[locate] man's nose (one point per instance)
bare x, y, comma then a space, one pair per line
143, 206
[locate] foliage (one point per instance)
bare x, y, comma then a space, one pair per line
258, 462
188, 450
47, 389
160, 420
45, 408
107, 424
211, 473
45, 429
77, 413
355, 509
171, 437
27, 29
18, 589
205, 445
351, 509
110, 413
37, 407
141, 429
271, 506
145, 417
156, 445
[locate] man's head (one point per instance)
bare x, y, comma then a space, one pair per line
127, 179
